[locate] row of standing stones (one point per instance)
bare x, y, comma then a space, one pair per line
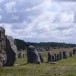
8, 49
35, 56
9, 53
52, 58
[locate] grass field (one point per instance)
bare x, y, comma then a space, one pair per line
66, 67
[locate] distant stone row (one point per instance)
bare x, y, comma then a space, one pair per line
52, 58
33, 56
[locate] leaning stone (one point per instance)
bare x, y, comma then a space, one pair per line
41, 57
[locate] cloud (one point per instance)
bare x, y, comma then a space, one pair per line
10, 6
2, 1
0, 17
65, 0
39, 20
67, 17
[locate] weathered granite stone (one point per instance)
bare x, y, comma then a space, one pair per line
24, 55
21, 55
40, 52
60, 56
3, 57
74, 51
49, 57
39, 49
52, 57
48, 49
55, 55
11, 51
70, 54
64, 54
32, 55
41, 57
8, 50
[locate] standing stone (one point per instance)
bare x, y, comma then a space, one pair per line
24, 55
64, 54
8, 50
41, 57
53, 58
74, 51
49, 57
32, 55
60, 56
48, 49
3, 56
55, 55
11, 51
21, 55
40, 51
70, 54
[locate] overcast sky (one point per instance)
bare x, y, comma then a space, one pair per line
39, 20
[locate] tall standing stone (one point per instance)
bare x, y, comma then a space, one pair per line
8, 50
32, 55
11, 51
3, 56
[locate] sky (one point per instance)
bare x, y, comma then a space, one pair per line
39, 20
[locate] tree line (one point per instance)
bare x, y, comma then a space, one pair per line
21, 44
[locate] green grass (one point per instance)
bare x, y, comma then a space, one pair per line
66, 67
